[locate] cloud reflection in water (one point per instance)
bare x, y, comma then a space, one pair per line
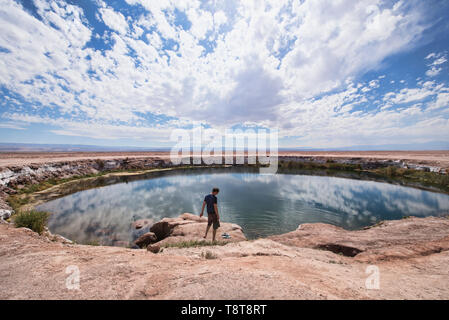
262, 204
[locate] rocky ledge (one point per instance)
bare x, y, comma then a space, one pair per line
388, 240
186, 227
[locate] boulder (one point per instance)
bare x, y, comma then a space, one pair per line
146, 239
154, 248
161, 229
190, 227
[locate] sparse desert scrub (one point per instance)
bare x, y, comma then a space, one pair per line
34, 220
425, 178
328, 165
194, 243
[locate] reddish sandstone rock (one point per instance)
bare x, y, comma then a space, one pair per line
161, 229
145, 239
395, 239
189, 227
193, 217
154, 248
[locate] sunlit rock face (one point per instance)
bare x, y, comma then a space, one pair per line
262, 205
389, 240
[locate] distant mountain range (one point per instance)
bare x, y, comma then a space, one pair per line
30, 147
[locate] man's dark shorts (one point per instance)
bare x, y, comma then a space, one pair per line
213, 219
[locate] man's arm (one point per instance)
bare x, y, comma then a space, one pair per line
202, 209
216, 211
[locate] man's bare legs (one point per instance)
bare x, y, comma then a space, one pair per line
207, 230
214, 233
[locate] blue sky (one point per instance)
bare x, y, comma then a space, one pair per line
327, 74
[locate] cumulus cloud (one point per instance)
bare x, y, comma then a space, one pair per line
433, 71
114, 20
434, 66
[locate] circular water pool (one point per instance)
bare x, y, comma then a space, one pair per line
262, 204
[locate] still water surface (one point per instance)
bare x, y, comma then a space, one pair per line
262, 204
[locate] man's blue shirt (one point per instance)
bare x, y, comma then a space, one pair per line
210, 199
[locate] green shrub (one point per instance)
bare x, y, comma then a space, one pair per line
16, 201
329, 164
91, 243
423, 178
34, 220
100, 164
390, 171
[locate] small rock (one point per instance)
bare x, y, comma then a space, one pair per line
146, 239
62, 239
5, 214
155, 248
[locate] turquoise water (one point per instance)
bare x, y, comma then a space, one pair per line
262, 204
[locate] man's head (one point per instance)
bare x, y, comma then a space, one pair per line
215, 191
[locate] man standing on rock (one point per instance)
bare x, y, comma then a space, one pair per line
212, 212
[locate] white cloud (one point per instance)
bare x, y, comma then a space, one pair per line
95, 129
328, 51
114, 20
407, 95
374, 84
202, 22
442, 101
434, 69
439, 61
219, 18
265, 63
14, 126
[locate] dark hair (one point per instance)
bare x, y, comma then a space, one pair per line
215, 190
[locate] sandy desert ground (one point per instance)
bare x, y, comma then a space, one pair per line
435, 158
